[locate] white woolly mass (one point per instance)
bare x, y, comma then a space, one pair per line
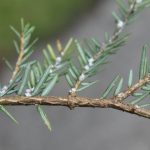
62, 53
82, 77
137, 106
90, 61
27, 94
72, 90
3, 90
110, 40
58, 60
120, 24
50, 71
131, 6
86, 67
29, 91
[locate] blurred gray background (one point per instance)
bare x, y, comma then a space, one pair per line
86, 128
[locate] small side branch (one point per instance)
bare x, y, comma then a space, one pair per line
20, 57
125, 94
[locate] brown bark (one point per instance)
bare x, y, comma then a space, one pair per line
73, 102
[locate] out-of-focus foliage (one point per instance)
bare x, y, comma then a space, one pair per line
49, 17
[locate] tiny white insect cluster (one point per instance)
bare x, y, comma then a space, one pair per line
82, 77
62, 53
90, 63
28, 92
86, 67
136, 106
57, 64
3, 90
58, 61
50, 71
72, 90
120, 24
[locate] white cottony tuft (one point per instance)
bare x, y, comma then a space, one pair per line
90, 61
131, 6
62, 53
72, 90
3, 90
82, 77
50, 71
86, 67
110, 40
137, 106
120, 24
29, 91
58, 60
28, 94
